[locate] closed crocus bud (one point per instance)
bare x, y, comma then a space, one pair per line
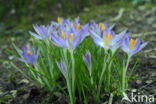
29, 55
87, 59
62, 66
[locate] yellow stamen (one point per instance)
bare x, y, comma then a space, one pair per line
102, 26
43, 25
108, 37
66, 35
71, 36
63, 36
59, 20
28, 52
78, 26
132, 44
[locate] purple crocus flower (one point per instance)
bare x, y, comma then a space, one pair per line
131, 46
104, 37
101, 27
59, 22
76, 26
87, 58
69, 37
29, 55
62, 66
42, 31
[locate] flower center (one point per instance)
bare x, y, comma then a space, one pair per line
108, 38
28, 52
132, 44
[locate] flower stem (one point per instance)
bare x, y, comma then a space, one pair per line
69, 90
73, 73
109, 74
90, 73
124, 74
101, 77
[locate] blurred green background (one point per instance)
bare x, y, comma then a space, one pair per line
19, 15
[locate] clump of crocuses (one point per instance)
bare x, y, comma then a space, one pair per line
64, 48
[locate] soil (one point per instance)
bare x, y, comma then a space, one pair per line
17, 89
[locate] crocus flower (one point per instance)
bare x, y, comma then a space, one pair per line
76, 26
87, 59
68, 36
131, 46
29, 55
101, 27
62, 66
59, 22
42, 31
104, 37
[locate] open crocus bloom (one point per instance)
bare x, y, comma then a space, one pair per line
42, 31
131, 46
104, 37
76, 26
29, 55
68, 36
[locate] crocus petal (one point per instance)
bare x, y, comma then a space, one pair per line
111, 27
58, 42
62, 67
86, 58
106, 25
50, 30
120, 36
136, 47
97, 40
55, 24
142, 46
22, 60
76, 21
85, 31
35, 35
36, 27
77, 41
